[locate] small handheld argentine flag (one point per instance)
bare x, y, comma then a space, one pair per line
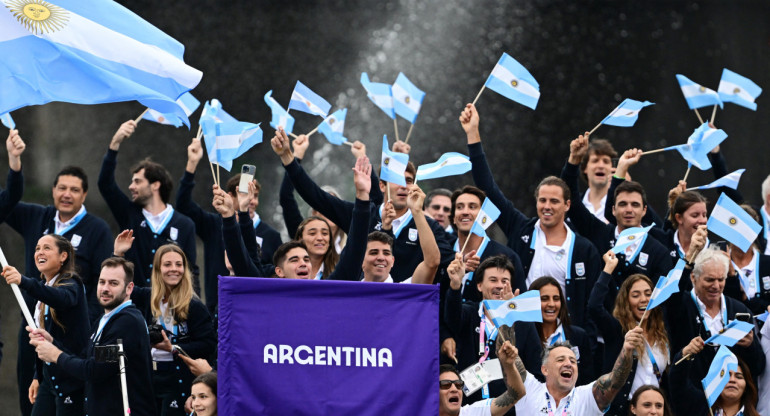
281, 117
231, 140
737, 89
699, 144
7, 121
630, 236
393, 165
510, 79
187, 102
486, 216
525, 308
731, 334
333, 126
380, 94
449, 164
305, 100
407, 98
625, 114
731, 222
730, 181
719, 374
667, 285
697, 96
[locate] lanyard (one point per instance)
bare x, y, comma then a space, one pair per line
655, 368
73, 222
163, 224
564, 410
98, 333
750, 286
407, 218
571, 236
703, 317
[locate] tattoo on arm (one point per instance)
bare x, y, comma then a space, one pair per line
507, 399
608, 385
520, 368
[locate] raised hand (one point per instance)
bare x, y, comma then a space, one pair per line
245, 199
124, 131
361, 178
301, 143
12, 276
456, 271
695, 346
610, 262
123, 242
469, 119
358, 149
388, 215
15, 146
578, 148
401, 147
629, 158
697, 242
281, 146
415, 199
222, 202
194, 154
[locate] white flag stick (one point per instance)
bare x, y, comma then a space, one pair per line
19, 297
479, 94
395, 126
686, 174
714, 113
348, 143
699, 117
649, 152
409, 133
594, 129
138, 119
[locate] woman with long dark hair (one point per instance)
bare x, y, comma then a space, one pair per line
204, 394
649, 400
62, 311
316, 233
650, 360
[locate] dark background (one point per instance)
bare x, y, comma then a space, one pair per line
587, 56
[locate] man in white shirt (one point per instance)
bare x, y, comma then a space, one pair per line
559, 396
451, 393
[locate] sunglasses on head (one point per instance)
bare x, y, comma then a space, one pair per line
445, 384
440, 208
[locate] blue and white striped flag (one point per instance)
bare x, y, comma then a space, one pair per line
699, 144
730, 181
630, 236
407, 98
380, 94
697, 96
731, 222
719, 374
763, 316
333, 127
187, 102
7, 121
305, 100
511, 80
667, 285
449, 164
212, 114
487, 215
231, 140
393, 165
281, 117
732, 333
524, 308
88, 52
625, 114
737, 89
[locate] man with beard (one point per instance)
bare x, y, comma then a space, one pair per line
147, 212
121, 321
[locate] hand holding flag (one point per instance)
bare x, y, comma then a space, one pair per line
731, 334
7, 121
393, 165
525, 308
511, 80
719, 374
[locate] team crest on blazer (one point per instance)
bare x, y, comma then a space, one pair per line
580, 269
643, 257
173, 233
525, 238
76, 239
412, 234
766, 282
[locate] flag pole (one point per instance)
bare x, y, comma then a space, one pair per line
138, 119
643, 316
714, 113
683, 358
218, 174
500, 333
211, 165
686, 174
466, 243
649, 152
293, 135
711, 412
19, 297
312, 131
348, 143
698, 114
395, 126
388, 186
594, 129
479, 94
409, 133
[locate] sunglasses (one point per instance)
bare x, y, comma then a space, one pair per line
445, 384
440, 208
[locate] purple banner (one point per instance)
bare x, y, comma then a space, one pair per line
291, 347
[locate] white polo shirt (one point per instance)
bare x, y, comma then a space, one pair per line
579, 402
479, 408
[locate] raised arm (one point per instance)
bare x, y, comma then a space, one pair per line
607, 324
426, 270
236, 251
514, 379
349, 266
608, 385
627, 159
15, 182
116, 200
184, 201
292, 217
584, 221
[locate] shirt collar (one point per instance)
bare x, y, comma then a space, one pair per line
63, 224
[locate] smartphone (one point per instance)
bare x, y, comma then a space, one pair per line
745, 317
181, 351
722, 245
247, 175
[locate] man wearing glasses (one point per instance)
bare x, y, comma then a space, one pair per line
451, 393
438, 204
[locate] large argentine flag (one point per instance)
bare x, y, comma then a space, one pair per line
449, 164
305, 100
667, 285
511, 80
188, 103
733, 332
393, 166
730, 180
525, 308
625, 114
719, 374
488, 214
380, 94
333, 127
737, 89
407, 98
729, 221
281, 117
88, 52
697, 96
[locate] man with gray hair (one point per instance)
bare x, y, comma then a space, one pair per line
764, 217
559, 396
700, 309
438, 205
